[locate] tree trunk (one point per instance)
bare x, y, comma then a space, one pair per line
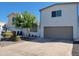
28, 32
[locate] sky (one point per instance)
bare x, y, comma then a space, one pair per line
33, 7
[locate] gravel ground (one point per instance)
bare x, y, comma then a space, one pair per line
75, 50
7, 43
27, 48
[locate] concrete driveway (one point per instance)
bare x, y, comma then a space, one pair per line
37, 49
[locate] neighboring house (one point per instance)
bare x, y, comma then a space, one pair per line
11, 27
60, 22
1, 27
19, 31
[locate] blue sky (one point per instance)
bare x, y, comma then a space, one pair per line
8, 7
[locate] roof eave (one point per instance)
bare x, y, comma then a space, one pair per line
58, 4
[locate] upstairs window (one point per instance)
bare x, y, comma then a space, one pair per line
59, 13
13, 19
56, 13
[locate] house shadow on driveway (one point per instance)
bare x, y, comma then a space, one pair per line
50, 40
75, 49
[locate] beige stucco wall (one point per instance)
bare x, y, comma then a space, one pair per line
10, 19
68, 18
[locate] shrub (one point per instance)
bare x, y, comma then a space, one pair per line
17, 38
7, 34
11, 36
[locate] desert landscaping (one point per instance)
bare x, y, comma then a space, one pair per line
48, 31
31, 48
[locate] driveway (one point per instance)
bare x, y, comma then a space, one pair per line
27, 48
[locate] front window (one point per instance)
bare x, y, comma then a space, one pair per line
13, 19
56, 13
33, 29
19, 33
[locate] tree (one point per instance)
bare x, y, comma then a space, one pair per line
25, 20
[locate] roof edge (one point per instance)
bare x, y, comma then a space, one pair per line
58, 4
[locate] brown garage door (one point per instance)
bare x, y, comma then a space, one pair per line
58, 33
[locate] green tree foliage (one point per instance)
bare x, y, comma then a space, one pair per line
25, 20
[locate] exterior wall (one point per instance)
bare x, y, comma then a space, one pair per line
10, 19
78, 23
77, 33
10, 28
68, 18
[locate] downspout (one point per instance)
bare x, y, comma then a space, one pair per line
40, 25
77, 24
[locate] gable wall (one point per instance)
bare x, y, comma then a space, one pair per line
68, 18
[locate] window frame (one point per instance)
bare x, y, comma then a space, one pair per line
53, 13
57, 13
13, 19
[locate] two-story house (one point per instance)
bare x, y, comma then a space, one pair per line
11, 27
60, 22
19, 31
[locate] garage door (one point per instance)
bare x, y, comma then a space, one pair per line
58, 33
